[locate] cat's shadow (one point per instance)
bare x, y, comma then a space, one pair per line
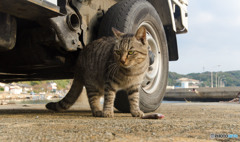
42, 111
30, 111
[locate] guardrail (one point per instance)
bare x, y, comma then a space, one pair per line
202, 94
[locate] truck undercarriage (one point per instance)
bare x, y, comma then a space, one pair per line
41, 41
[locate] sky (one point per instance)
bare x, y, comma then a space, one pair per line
213, 39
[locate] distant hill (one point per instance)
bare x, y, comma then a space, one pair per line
230, 78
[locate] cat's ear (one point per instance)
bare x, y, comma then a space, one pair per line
141, 35
117, 33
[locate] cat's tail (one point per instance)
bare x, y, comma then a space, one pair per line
69, 99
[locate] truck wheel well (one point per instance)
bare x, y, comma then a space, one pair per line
166, 16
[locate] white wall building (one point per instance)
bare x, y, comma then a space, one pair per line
188, 83
2, 84
52, 86
15, 89
6, 88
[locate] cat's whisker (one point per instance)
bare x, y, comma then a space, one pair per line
111, 71
109, 66
117, 69
114, 71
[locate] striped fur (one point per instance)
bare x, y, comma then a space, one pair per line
106, 66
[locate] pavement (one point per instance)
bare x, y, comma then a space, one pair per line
186, 122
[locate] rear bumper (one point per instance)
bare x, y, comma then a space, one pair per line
30, 9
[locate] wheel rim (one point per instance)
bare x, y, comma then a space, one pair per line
152, 78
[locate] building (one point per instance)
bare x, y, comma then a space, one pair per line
2, 84
188, 83
15, 89
25, 88
52, 86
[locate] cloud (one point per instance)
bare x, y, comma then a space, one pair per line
202, 18
213, 37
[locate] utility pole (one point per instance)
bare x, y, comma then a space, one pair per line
217, 77
211, 79
219, 80
216, 80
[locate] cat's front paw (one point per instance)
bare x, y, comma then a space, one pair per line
108, 113
137, 113
97, 113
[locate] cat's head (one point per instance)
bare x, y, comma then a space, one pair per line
130, 49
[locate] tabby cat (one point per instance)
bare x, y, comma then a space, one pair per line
106, 66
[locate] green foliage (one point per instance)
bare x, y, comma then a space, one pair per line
1, 89
35, 82
172, 78
40, 86
231, 78
63, 84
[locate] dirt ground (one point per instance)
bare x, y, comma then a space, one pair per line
186, 122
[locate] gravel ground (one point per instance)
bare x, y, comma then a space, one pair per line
186, 122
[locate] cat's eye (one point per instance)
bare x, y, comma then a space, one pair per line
118, 52
130, 52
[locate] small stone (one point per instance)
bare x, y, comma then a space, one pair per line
108, 133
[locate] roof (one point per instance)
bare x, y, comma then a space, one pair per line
188, 80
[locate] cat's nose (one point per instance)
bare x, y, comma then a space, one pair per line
122, 61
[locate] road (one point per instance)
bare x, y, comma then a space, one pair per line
183, 122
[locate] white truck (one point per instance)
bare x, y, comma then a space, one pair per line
40, 40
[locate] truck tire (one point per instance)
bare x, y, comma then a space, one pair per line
127, 16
